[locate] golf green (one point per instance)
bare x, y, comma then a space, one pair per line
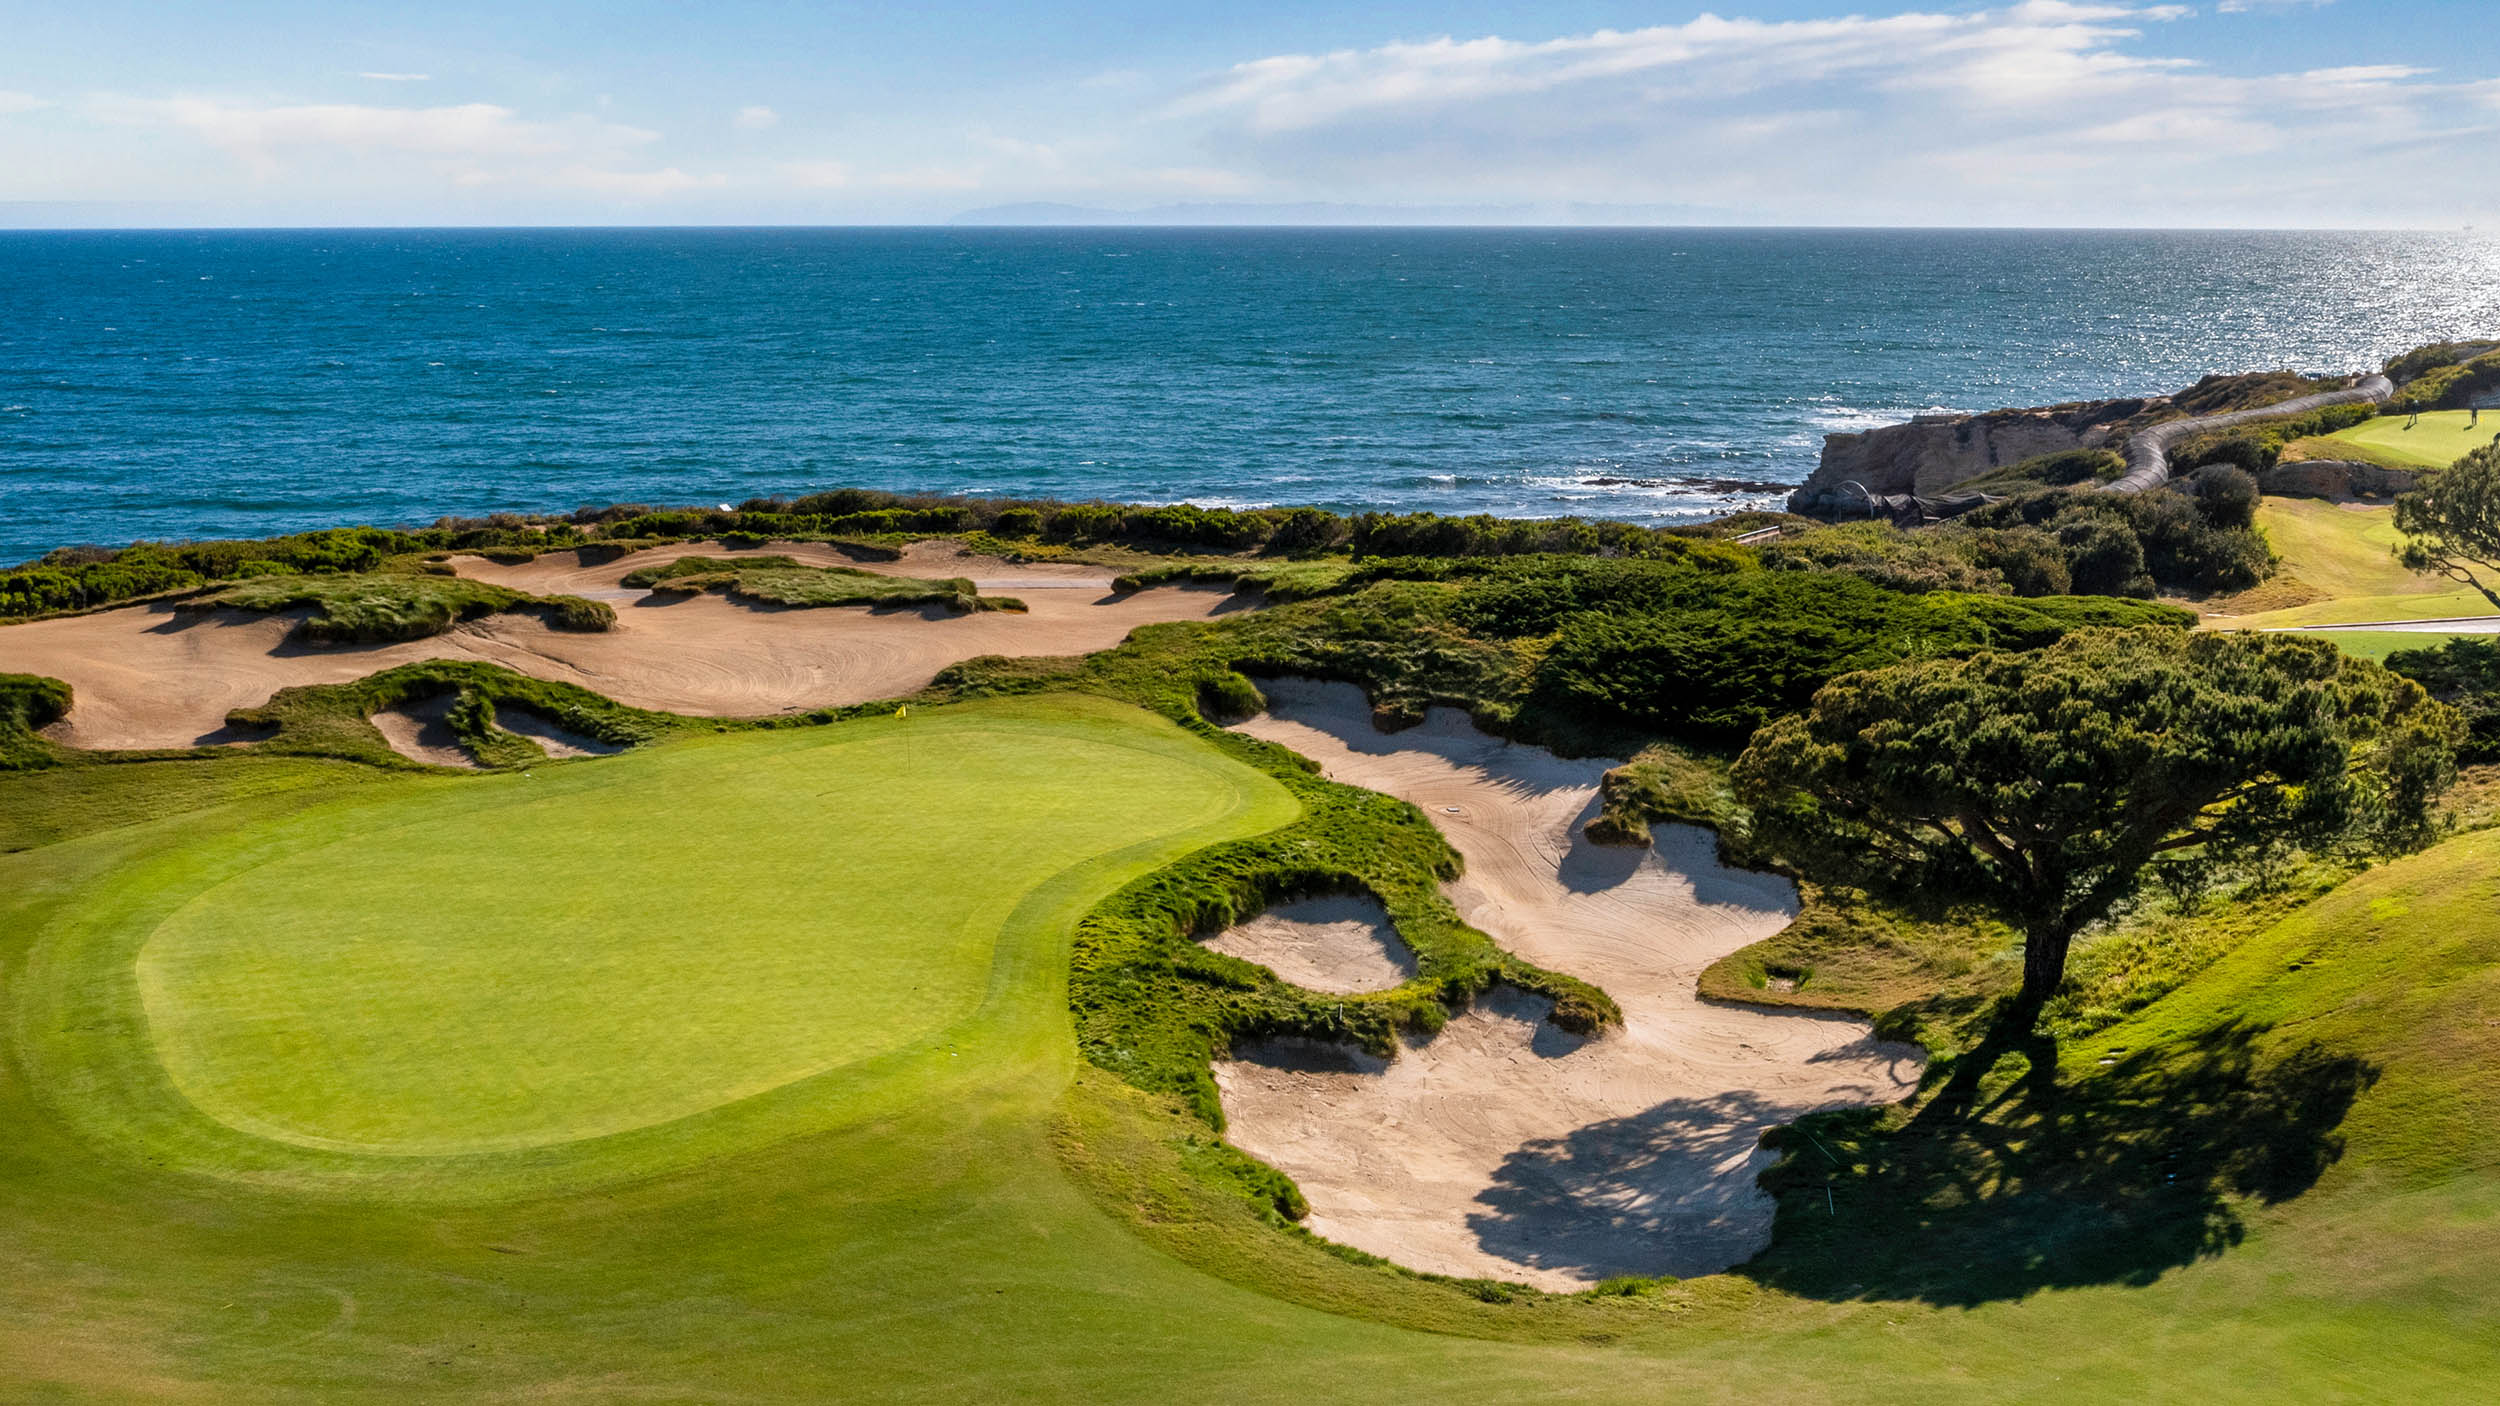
492, 964
2440, 438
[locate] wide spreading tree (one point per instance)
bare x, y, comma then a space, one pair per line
2042, 783
2451, 522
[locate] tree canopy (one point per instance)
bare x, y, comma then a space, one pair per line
2040, 784
2451, 522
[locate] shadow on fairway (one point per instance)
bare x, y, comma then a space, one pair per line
2002, 1186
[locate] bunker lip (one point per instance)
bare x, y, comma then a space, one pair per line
147, 676
1502, 1147
420, 730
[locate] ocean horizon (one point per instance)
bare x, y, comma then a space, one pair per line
205, 383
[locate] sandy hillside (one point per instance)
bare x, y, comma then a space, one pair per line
1504, 1147
148, 676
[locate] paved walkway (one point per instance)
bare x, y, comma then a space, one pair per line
2148, 454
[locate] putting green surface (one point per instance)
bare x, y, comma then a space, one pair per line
2438, 439
592, 950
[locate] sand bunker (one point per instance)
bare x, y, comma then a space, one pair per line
149, 676
421, 731
1504, 1147
557, 742
1341, 944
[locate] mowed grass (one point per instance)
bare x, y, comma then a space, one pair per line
2348, 554
899, 1227
2438, 439
587, 950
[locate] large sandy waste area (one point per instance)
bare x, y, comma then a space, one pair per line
151, 676
1504, 1147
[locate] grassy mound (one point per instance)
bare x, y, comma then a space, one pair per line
779, 580
380, 607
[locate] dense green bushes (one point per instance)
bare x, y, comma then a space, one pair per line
2465, 675
1714, 672
2195, 538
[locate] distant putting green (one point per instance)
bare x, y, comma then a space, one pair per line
2439, 439
497, 964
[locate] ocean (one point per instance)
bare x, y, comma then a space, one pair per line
197, 384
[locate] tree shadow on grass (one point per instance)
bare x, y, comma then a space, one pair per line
2002, 1186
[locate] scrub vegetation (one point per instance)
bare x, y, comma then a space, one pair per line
778, 580
379, 607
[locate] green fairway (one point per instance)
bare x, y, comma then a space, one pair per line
503, 1155
479, 966
2439, 439
2346, 555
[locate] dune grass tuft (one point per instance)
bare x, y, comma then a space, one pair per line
385, 607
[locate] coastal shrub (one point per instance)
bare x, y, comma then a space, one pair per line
1885, 555
2463, 673
2443, 375
2226, 496
2259, 446
1714, 673
1081, 521
2181, 548
1018, 522
2102, 557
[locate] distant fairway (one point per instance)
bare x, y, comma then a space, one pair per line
2438, 441
597, 949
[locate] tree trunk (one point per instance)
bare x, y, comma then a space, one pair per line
2044, 968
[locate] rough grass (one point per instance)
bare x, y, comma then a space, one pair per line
379, 607
779, 580
334, 720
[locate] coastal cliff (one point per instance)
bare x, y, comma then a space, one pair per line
1933, 453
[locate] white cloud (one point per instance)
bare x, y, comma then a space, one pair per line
19, 102
2042, 111
398, 77
756, 118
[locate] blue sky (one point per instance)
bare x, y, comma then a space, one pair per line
2047, 112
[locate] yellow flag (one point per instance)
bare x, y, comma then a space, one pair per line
900, 710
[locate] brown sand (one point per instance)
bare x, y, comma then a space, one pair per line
1504, 1147
421, 731
1341, 944
148, 676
